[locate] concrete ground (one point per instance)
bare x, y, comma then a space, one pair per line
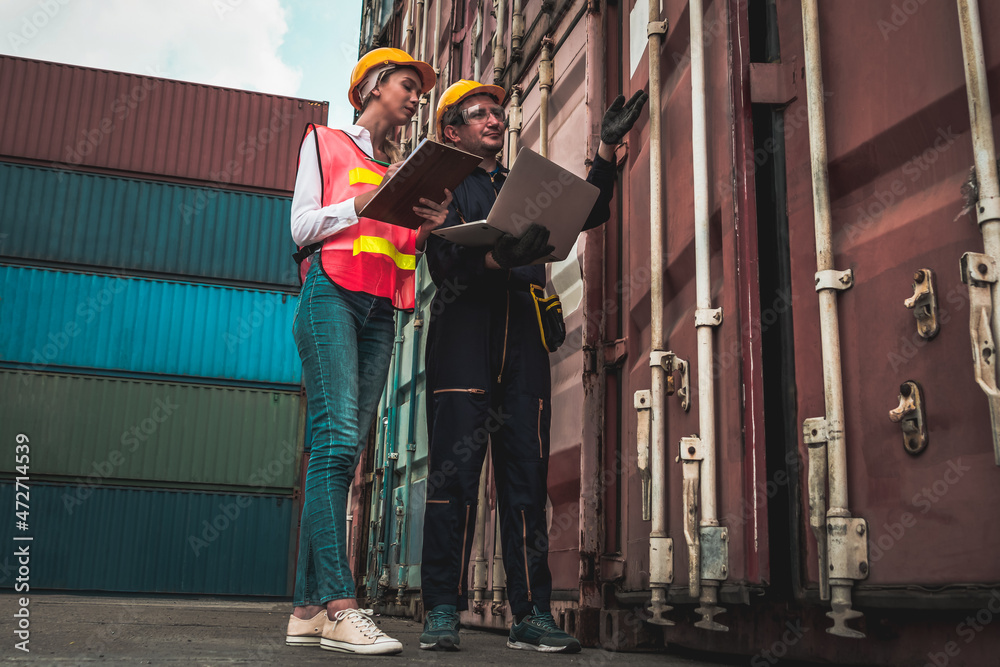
82, 629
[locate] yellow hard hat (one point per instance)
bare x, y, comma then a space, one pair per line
459, 90
388, 56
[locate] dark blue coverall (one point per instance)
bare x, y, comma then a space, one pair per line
488, 379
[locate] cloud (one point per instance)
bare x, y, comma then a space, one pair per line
231, 43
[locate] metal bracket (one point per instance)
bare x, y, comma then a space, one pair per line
833, 279
987, 209
979, 272
714, 553
656, 28
708, 317
393, 456
615, 352
691, 449
924, 303
910, 414
814, 431
814, 435
411, 446
670, 362
773, 83
691, 456
643, 404
848, 545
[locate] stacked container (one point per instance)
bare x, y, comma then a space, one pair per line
147, 295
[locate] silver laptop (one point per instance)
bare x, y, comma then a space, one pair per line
536, 190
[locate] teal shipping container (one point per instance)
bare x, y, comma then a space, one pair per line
89, 220
98, 430
151, 541
69, 320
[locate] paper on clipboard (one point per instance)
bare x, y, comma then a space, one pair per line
426, 173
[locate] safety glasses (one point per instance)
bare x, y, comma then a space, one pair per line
478, 114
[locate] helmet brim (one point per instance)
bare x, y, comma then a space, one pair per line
426, 73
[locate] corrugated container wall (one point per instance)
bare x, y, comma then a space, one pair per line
140, 226
76, 117
153, 541
142, 326
102, 430
145, 258
900, 535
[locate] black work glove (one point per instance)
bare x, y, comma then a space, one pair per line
620, 117
511, 251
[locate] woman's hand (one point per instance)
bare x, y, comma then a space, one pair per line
393, 168
434, 214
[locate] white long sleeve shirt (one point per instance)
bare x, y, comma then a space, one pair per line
311, 221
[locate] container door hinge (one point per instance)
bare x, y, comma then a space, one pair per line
979, 272
615, 352
643, 406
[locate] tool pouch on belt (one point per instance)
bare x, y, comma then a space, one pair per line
550, 319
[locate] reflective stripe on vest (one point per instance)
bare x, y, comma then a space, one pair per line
362, 175
381, 246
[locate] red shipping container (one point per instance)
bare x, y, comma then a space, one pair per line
72, 117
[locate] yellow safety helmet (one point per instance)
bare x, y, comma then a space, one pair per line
458, 91
387, 56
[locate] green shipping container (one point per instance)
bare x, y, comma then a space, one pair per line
94, 431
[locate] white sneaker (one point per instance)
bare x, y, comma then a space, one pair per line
305, 631
353, 631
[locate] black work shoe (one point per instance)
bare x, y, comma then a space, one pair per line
441, 628
539, 632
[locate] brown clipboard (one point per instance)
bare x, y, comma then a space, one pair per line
426, 173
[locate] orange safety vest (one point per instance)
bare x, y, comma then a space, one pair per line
370, 256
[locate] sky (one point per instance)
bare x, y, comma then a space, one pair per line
300, 48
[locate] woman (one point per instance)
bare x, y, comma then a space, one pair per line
360, 271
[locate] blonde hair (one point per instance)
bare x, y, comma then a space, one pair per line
392, 150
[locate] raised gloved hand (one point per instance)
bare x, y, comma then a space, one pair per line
511, 251
620, 117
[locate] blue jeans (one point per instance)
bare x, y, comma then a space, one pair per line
345, 342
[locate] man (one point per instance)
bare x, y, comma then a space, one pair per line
488, 374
